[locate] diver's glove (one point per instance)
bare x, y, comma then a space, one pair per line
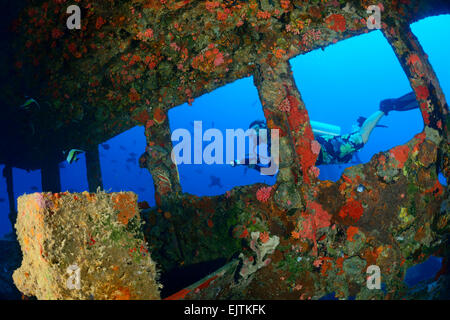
234, 163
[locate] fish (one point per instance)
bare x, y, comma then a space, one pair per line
72, 156
122, 148
106, 146
131, 160
141, 189
360, 188
143, 205
62, 165
362, 119
29, 102
2, 200
132, 154
215, 182
34, 188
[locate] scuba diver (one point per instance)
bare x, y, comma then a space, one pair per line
335, 148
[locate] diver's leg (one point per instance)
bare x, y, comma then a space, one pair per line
369, 125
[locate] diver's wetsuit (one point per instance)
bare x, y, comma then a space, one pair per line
338, 149
334, 150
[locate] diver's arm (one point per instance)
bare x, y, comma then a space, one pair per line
370, 124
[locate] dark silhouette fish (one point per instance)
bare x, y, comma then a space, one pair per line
62, 165
143, 205
122, 148
215, 182
106, 146
34, 188
2, 200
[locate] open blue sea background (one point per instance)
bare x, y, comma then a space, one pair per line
338, 84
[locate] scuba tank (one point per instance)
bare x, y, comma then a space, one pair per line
325, 129
319, 128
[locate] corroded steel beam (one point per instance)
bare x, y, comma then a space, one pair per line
132, 58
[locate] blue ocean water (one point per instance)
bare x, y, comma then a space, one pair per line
338, 84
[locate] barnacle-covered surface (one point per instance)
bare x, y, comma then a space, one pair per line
134, 60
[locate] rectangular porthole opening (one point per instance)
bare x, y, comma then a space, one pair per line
342, 87
208, 126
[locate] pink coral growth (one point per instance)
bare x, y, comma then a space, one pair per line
263, 194
310, 37
315, 147
315, 171
284, 106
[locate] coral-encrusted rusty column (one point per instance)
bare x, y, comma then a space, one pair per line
285, 110
7, 174
157, 157
50, 176
423, 80
94, 172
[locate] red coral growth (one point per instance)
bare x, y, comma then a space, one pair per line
211, 5
306, 156
100, 22
336, 22
264, 237
142, 117
318, 218
178, 295
400, 153
56, 33
263, 15
352, 209
146, 35
209, 60
263, 194
351, 231
159, 116
134, 95
422, 92
297, 118
437, 189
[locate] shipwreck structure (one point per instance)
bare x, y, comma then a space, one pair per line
133, 60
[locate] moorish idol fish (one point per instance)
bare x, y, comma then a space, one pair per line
72, 156
29, 102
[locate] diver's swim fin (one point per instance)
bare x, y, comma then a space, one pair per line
404, 103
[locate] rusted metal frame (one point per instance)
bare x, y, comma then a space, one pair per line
425, 83
93, 169
285, 110
157, 159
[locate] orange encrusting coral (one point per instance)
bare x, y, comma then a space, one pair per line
126, 206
